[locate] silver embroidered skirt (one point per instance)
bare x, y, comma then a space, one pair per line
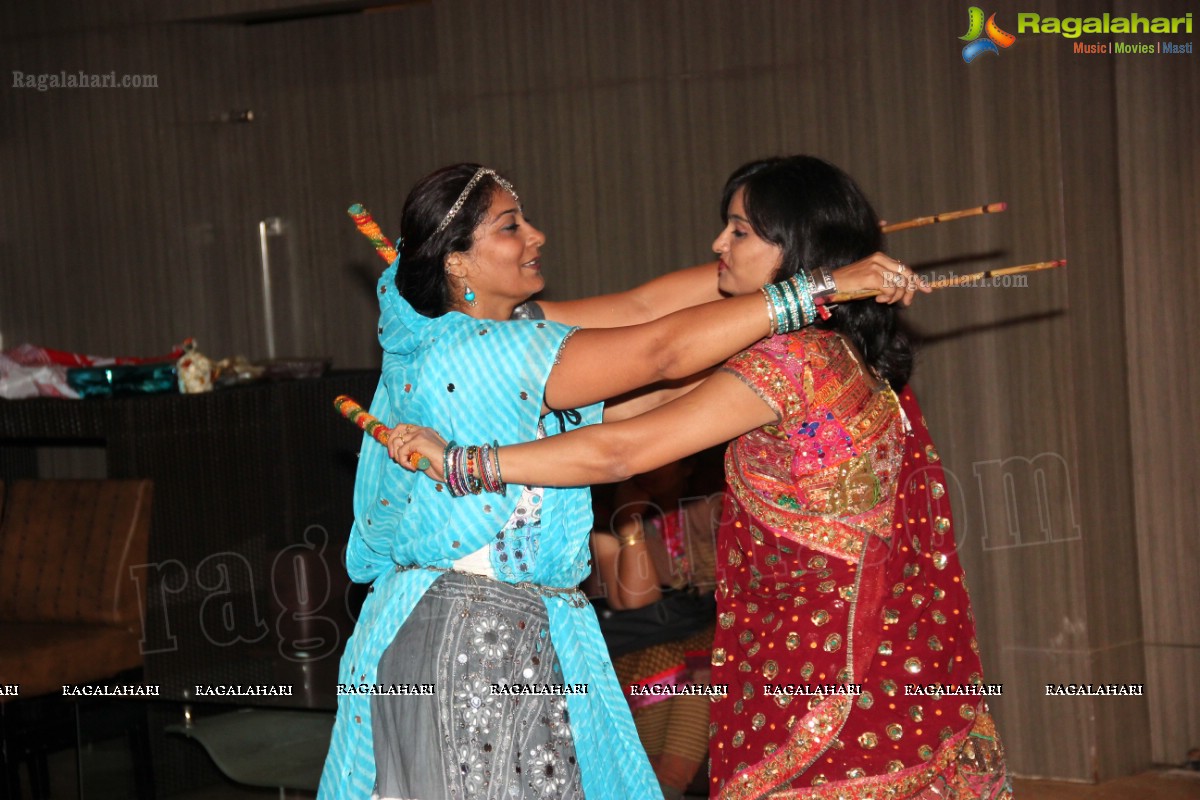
465, 636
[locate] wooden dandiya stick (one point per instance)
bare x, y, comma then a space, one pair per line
368, 227
371, 425
990, 208
958, 280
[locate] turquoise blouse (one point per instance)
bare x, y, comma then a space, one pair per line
474, 381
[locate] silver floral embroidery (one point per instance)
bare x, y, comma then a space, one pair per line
477, 704
548, 776
492, 636
494, 745
474, 768
560, 719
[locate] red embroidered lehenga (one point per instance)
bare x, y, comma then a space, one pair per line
837, 572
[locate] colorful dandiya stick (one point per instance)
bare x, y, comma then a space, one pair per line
368, 227
958, 280
990, 208
370, 424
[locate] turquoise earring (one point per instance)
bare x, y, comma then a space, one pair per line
468, 294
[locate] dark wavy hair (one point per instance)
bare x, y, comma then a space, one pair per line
817, 216
421, 278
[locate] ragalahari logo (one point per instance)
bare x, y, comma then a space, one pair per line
995, 39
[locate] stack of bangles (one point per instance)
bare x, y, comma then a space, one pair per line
473, 470
792, 304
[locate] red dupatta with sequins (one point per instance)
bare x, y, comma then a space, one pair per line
835, 636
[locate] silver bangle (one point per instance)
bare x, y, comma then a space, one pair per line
823, 282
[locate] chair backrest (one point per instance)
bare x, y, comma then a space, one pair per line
66, 547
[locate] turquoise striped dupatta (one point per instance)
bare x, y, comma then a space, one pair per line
474, 381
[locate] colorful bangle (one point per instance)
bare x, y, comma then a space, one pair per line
468, 475
485, 470
791, 303
788, 290
499, 478
481, 469
806, 294
460, 478
480, 481
792, 292
448, 468
472, 470
490, 461
771, 319
779, 319
785, 306
459, 470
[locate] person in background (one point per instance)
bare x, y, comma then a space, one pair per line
661, 543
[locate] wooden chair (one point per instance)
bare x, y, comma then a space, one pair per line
70, 609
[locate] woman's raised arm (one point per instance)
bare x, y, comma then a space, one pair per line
599, 363
720, 409
676, 290
696, 285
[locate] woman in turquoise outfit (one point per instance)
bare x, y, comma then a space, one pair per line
476, 596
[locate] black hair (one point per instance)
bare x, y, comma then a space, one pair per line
421, 278
819, 217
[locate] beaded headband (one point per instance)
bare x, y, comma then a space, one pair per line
466, 192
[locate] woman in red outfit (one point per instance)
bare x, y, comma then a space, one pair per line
844, 630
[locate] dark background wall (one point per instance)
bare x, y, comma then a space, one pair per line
129, 219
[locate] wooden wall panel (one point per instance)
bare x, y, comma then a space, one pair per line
164, 193
1091, 214
129, 220
1158, 111
987, 378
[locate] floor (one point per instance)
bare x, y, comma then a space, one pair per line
1164, 785
108, 778
1158, 785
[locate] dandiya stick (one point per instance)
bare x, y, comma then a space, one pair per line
371, 425
958, 280
368, 227
990, 208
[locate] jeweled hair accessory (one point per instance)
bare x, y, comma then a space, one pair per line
466, 192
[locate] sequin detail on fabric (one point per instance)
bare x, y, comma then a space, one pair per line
834, 571
477, 635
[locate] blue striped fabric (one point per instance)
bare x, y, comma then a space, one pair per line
474, 381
